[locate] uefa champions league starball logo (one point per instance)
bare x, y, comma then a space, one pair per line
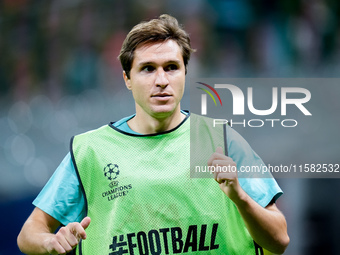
111, 171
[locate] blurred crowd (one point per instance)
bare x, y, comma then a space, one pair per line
66, 46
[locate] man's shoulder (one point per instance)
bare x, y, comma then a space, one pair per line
94, 131
209, 122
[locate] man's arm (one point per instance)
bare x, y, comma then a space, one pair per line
267, 226
37, 234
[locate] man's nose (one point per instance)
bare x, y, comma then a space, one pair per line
161, 78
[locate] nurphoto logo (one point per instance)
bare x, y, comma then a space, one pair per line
280, 98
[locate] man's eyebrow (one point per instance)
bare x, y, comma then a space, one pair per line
145, 63
172, 61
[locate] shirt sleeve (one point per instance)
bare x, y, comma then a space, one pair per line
261, 189
62, 197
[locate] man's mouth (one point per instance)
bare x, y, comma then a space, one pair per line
161, 95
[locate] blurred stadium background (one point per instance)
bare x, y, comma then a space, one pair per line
59, 76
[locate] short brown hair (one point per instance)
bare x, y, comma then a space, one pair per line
161, 29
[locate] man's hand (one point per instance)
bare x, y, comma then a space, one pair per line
68, 237
37, 234
226, 174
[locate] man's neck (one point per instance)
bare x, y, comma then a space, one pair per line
146, 124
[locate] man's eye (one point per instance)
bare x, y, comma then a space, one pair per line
171, 67
148, 68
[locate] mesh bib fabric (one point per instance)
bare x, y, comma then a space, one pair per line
141, 199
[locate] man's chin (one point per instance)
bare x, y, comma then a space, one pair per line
163, 112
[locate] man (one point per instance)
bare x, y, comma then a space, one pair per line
125, 187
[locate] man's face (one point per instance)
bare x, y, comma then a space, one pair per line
157, 78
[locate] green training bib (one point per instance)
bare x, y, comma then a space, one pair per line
141, 199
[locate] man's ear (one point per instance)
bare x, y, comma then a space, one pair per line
127, 81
